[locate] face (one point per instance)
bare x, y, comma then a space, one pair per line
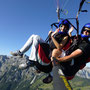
86, 31
63, 28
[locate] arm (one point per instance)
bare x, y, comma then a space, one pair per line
56, 31
70, 31
50, 32
63, 42
74, 54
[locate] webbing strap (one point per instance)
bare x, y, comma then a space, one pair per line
75, 42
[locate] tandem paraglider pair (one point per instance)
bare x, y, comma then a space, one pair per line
59, 44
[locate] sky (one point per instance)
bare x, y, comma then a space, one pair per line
19, 19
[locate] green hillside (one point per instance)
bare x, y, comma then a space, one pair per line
77, 83
80, 83
8, 82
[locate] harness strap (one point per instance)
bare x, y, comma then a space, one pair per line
71, 45
67, 45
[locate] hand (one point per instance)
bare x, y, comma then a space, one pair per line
70, 30
49, 32
54, 61
52, 34
59, 59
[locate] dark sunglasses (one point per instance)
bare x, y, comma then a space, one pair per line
86, 30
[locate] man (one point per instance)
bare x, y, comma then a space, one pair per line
78, 58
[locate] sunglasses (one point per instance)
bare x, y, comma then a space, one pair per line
86, 30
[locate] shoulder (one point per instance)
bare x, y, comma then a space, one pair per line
85, 47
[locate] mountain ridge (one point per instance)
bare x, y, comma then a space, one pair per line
11, 78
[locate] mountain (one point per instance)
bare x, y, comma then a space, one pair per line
85, 73
11, 78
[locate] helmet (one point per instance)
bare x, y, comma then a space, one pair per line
64, 22
83, 29
87, 25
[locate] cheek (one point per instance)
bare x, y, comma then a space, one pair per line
88, 33
61, 28
84, 32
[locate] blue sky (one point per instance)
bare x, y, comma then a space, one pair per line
21, 18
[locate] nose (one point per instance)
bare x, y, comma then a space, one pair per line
86, 32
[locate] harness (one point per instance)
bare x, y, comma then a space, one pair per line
70, 47
43, 57
82, 63
43, 60
80, 68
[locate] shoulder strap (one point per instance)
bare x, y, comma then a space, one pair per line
73, 45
